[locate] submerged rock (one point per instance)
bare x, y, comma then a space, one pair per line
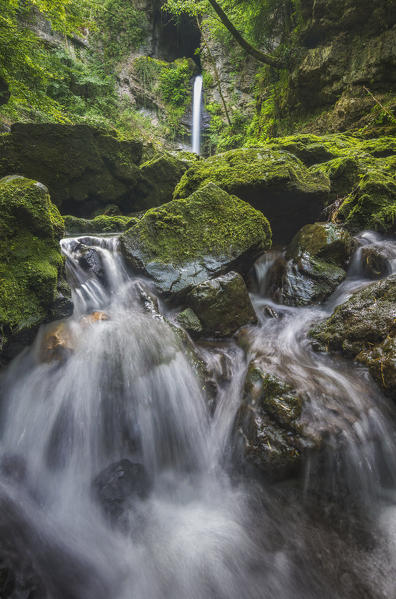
118, 484
364, 329
222, 305
375, 262
274, 182
314, 265
57, 343
31, 264
268, 423
186, 242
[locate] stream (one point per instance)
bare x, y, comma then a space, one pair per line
124, 392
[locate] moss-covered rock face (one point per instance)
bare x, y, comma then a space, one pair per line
371, 204
30, 261
314, 265
188, 241
364, 328
222, 305
82, 167
160, 177
274, 182
362, 175
100, 224
268, 423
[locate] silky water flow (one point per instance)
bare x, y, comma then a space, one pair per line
124, 390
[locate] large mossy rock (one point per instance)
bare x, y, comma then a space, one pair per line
314, 266
30, 262
82, 167
188, 241
364, 328
268, 424
274, 182
362, 175
222, 305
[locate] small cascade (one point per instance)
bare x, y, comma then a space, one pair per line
197, 115
116, 466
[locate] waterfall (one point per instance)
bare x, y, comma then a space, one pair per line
115, 471
197, 115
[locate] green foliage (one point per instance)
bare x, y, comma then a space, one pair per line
24, 60
120, 28
169, 84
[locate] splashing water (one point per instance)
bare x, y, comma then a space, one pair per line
125, 388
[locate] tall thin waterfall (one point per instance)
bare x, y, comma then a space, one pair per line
197, 114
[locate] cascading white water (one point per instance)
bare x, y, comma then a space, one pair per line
123, 388
197, 114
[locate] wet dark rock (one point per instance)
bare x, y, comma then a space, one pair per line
118, 484
186, 242
375, 263
268, 425
323, 241
270, 312
222, 305
314, 265
91, 262
364, 328
189, 321
304, 282
147, 299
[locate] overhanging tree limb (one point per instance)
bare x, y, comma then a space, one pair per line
261, 56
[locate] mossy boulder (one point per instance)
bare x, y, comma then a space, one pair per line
222, 305
188, 241
364, 328
30, 261
268, 425
274, 182
160, 176
83, 167
100, 224
314, 265
372, 203
324, 241
361, 173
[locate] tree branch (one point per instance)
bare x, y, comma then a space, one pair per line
257, 54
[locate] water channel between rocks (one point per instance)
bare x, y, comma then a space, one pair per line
125, 403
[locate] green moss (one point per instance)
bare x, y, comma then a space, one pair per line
324, 241
371, 204
236, 169
166, 84
30, 259
100, 224
210, 222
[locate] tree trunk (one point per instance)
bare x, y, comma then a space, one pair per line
266, 58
